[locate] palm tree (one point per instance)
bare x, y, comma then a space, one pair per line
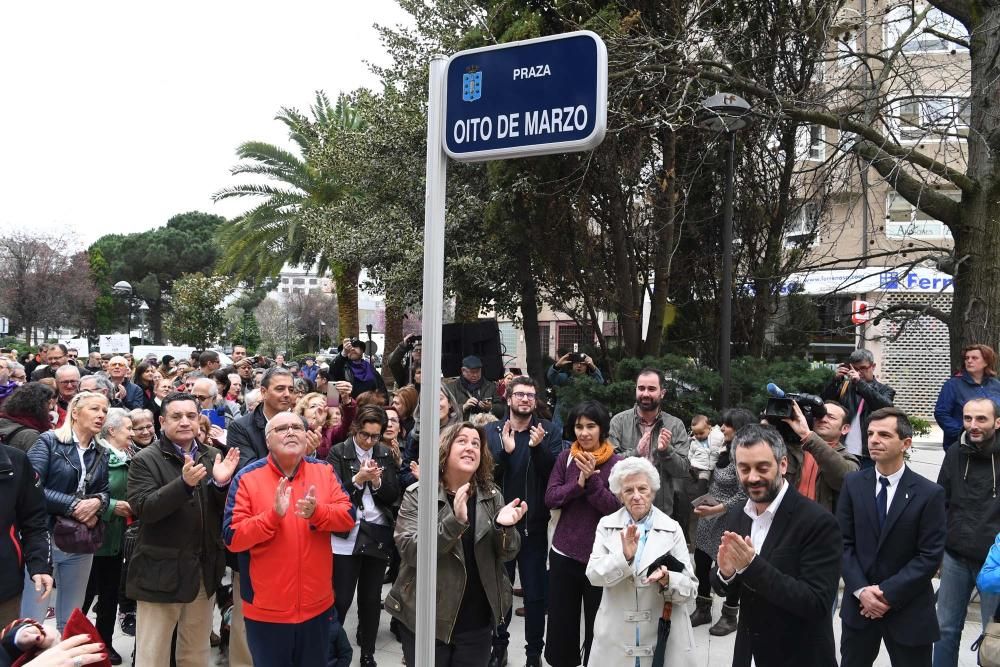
301, 190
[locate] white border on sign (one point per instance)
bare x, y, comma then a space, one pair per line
587, 143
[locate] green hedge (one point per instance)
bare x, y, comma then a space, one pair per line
694, 389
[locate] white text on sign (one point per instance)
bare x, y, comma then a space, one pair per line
544, 121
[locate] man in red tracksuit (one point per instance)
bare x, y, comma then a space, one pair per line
279, 515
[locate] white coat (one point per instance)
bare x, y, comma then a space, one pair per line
628, 603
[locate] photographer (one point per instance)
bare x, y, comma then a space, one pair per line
854, 386
566, 370
825, 460
405, 360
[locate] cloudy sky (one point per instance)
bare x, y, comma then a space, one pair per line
117, 115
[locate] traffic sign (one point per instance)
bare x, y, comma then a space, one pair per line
534, 97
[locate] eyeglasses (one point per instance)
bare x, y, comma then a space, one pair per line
69, 383
201, 398
118, 365
285, 429
148, 427
368, 437
523, 395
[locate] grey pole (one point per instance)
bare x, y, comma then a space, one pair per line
430, 427
726, 305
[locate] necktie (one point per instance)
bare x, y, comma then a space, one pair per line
882, 500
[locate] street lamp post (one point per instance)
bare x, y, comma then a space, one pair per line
123, 289
319, 338
726, 112
143, 309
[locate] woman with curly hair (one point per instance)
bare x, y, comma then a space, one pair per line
475, 536
25, 415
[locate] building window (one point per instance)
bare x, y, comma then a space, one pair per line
543, 338
920, 116
904, 220
810, 142
298, 281
899, 20
312, 281
803, 227
570, 334
284, 281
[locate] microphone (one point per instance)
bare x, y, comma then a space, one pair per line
774, 390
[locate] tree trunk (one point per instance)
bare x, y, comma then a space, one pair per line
664, 211
529, 320
346, 283
394, 314
629, 313
466, 308
770, 266
156, 321
975, 315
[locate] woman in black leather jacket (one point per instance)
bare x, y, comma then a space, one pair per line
368, 472
73, 471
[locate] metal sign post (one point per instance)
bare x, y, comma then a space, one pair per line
430, 425
535, 97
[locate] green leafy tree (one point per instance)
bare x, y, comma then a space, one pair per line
196, 315
151, 261
299, 193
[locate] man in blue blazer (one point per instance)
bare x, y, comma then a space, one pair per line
894, 522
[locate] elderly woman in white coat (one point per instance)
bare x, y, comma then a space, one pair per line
627, 543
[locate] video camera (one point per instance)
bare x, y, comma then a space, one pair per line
779, 408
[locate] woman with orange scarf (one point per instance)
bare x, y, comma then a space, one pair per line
578, 488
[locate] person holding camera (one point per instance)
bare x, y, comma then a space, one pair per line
475, 393
351, 366
825, 461
854, 386
405, 360
566, 370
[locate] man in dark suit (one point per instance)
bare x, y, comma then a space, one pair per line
785, 550
894, 525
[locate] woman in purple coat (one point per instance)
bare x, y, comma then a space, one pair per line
578, 489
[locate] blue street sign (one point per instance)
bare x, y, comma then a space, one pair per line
538, 96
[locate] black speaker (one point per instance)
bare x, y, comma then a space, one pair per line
479, 338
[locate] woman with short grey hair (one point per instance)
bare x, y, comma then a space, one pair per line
106, 572
640, 558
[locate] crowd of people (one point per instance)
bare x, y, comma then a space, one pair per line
152, 491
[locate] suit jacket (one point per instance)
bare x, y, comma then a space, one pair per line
901, 557
788, 588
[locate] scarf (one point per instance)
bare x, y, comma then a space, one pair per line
29, 421
810, 472
7, 389
472, 387
362, 370
602, 453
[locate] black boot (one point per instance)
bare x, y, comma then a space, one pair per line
702, 612
499, 657
727, 622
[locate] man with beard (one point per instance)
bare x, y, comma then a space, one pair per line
525, 449
475, 393
968, 475
825, 460
786, 551
647, 431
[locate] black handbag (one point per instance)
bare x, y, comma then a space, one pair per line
75, 537
374, 539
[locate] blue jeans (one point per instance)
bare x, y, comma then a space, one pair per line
71, 573
958, 579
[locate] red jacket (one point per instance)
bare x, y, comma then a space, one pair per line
286, 563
